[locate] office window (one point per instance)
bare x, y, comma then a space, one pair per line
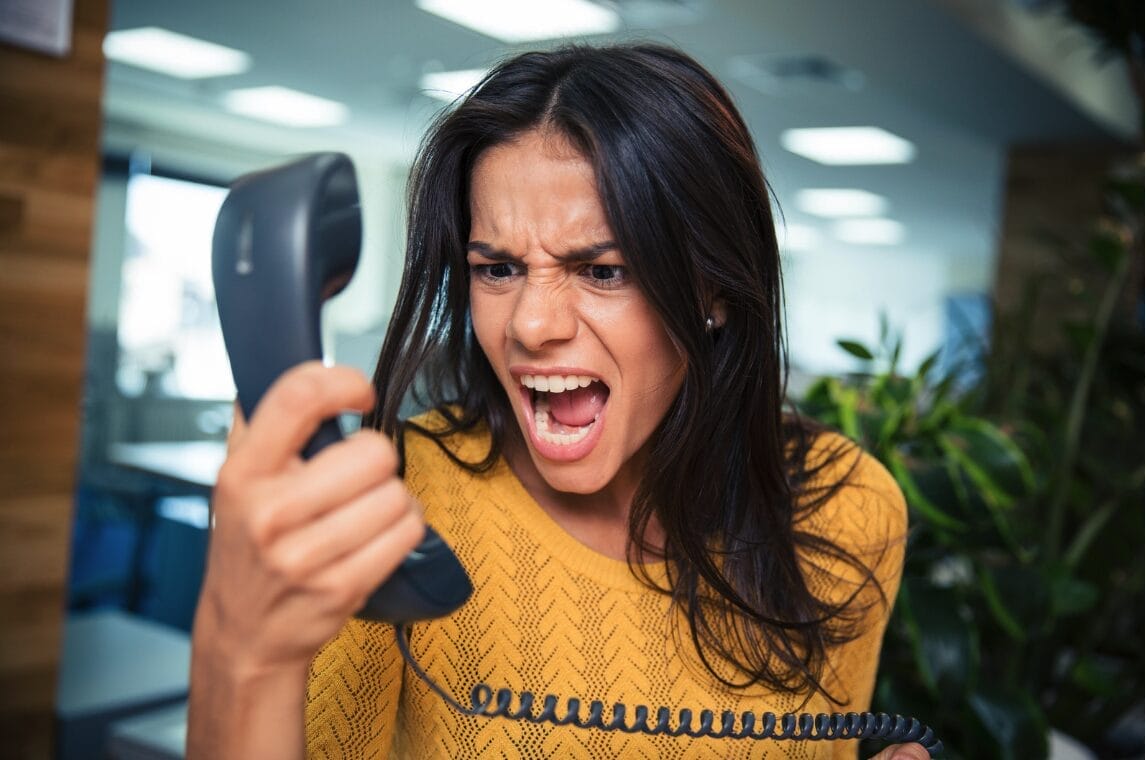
169, 338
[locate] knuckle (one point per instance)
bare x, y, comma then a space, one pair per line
286, 565
301, 390
336, 594
344, 595
231, 481
261, 527
395, 500
415, 528
226, 484
378, 451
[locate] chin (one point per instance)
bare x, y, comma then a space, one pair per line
581, 478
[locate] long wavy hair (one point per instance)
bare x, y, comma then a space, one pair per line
728, 478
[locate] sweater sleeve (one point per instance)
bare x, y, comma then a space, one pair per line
353, 693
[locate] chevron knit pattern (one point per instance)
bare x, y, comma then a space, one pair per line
551, 616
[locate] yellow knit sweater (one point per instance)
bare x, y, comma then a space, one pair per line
550, 615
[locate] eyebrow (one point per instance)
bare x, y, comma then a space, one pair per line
577, 255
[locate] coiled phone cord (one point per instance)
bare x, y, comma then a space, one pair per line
485, 702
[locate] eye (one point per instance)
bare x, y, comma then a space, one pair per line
495, 273
606, 275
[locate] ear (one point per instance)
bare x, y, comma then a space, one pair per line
718, 311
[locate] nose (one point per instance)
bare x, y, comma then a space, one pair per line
545, 312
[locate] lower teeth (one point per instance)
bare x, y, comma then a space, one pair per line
541, 424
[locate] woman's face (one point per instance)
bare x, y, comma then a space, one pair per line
585, 361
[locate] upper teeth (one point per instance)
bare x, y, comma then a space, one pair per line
556, 383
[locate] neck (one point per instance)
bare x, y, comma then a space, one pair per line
599, 520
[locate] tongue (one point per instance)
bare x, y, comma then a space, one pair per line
579, 407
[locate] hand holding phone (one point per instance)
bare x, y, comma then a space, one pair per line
286, 239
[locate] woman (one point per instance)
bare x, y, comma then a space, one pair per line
591, 311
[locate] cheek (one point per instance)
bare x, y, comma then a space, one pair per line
487, 326
653, 361
650, 339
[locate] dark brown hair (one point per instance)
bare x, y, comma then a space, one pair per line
728, 477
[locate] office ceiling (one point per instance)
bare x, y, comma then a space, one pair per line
962, 79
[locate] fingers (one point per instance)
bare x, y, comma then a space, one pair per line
292, 409
336, 475
356, 575
299, 546
903, 752
342, 532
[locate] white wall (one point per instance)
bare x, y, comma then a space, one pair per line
836, 291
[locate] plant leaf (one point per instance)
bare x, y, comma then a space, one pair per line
1071, 596
847, 403
1087, 533
998, 501
926, 365
1007, 463
856, 349
943, 643
998, 607
915, 498
1013, 719
1103, 676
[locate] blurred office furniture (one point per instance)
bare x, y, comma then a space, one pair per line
141, 529
114, 666
157, 735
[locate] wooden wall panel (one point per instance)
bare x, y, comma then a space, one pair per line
50, 124
1054, 198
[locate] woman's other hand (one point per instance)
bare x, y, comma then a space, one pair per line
903, 752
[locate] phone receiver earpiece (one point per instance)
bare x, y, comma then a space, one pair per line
286, 239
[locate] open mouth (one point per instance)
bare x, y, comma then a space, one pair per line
565, 407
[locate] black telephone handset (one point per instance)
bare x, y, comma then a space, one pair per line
286, 239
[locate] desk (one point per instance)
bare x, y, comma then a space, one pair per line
191, 465
115, 665
157, 735
150, 474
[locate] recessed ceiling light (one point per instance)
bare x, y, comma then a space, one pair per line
282, 105
848, 146
448, 85
832, 202
797, 237
524, 20
176, 55
869, 231
776, 74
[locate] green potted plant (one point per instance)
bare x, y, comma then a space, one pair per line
1021, 604
962, 476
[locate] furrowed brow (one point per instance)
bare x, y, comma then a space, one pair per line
575, 256
590, 253
487, 251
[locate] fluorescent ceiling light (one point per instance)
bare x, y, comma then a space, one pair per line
843, 146
869, 231
448, 85
282, 105
176, 55
525, 20
832, 202
797, 237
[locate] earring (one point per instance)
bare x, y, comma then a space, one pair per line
709, 324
